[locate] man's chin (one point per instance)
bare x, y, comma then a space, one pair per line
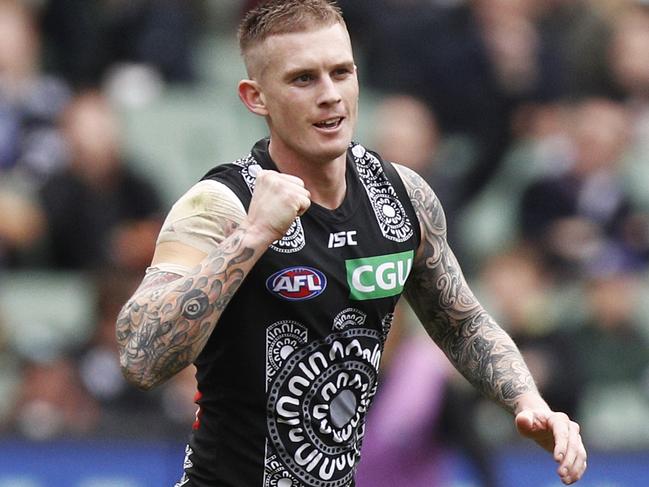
334, 150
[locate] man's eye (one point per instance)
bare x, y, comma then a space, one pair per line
303, 79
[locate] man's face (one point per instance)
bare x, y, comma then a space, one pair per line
310, 90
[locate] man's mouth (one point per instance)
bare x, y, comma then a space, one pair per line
330, 123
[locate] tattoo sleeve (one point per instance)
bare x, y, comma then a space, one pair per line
475, 344
168, 320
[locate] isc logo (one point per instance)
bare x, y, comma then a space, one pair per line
340, 239
297, 283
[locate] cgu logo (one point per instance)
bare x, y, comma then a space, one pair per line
297, 283
378, 277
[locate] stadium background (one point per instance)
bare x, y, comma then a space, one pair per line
530, 119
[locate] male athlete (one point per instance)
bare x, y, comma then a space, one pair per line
277, 276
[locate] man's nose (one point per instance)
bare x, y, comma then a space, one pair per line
330, 93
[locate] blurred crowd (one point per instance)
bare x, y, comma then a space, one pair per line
529, 118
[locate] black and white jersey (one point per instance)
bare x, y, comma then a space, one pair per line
287, 377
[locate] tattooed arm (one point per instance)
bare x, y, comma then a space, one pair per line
475, 344
169, 318
451, 314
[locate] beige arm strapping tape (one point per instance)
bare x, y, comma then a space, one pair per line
201, 216
181, 270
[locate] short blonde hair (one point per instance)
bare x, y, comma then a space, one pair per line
275, 17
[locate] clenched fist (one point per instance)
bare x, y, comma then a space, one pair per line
278, 199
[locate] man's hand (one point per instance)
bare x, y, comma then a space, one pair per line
278, 199
556, 433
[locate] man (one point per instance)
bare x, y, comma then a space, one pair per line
99, 212
298, 254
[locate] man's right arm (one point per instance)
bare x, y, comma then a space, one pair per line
169, 318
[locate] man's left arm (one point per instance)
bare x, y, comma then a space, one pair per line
480, 349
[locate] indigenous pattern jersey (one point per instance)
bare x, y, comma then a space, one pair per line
288, 375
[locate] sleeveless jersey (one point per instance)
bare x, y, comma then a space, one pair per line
291, 368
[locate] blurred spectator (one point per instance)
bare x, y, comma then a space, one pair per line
578, 31
629, 63
160, 34
52, 402
31, 147
572, 215
99, 212
610, 347
30, 101
21, 226
406, 132
610, 351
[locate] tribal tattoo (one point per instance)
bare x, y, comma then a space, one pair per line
167, 322
437, 291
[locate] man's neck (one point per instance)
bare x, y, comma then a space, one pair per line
325, 180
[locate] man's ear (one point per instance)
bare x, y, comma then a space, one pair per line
252, 97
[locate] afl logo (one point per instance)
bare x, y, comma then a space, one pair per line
297, 283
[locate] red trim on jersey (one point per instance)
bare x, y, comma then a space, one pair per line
197, 421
